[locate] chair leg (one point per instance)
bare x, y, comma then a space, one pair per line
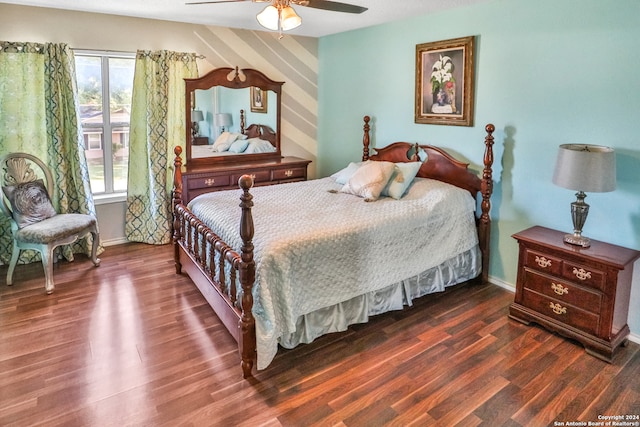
47, 264
94, 248
15, 254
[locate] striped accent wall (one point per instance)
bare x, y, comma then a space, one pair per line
292, 59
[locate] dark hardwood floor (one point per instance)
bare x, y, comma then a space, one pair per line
133, 344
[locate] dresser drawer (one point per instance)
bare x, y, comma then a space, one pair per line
258, 176
563, 291
289, 173
543, 262
194, 183
584, 275
561, 311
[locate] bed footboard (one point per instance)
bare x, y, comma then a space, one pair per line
224, 277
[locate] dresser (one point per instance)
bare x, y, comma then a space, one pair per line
580, 293
202, 179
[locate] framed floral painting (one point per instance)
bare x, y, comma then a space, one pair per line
444, 82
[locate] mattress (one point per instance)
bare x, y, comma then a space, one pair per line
318, 250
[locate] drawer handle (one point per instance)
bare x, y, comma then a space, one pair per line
582, 274
557, 308
543, 262
288, 173
559, 289
209, 182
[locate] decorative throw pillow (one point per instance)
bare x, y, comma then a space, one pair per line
401, 179
369, 180
30, 202
257, 145
343, 176
238, 146
224, 141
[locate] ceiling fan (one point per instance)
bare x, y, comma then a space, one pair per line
280, 16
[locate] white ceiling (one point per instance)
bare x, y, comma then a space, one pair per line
315, 22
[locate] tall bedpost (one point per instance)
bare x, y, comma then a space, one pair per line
486, 190
365, 139
247, 339
176, 199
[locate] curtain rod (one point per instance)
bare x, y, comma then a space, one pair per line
116, 52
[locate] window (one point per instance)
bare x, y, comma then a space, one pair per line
105, 86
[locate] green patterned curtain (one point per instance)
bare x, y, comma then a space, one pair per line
157, 126
40, 115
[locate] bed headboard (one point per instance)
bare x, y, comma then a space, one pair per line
257, 131
441, 166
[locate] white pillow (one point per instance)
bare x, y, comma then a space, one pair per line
257, 145
238, 146
401, 179
343, 176
224, 141
369, 180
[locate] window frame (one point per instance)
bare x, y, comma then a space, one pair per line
107, 127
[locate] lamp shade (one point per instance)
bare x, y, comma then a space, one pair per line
289, 19
588, 168
269, 18
223, 120
196, 116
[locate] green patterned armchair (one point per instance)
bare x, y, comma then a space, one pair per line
27, 185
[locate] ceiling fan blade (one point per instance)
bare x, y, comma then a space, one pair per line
331, 5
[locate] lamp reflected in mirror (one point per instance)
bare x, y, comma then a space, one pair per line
223, 121
584, 168
196, 118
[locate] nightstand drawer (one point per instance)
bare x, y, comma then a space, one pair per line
290, 173
208, 182
561, 290
561, 311
584, 275
543, 262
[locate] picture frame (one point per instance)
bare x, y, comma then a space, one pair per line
445, 82
258, 100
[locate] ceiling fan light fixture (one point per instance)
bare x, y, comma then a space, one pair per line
269, 18
289, 19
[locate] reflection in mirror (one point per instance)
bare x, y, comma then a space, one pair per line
219, 102
232, 119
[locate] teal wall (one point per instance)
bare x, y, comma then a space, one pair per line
548, 72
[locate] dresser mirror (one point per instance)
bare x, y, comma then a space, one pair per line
234, 116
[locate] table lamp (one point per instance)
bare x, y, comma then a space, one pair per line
590, 168
196, 117
223, 121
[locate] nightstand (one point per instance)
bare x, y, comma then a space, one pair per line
580, 293
200, 140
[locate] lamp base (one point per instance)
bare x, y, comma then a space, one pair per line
579, 212
577, 240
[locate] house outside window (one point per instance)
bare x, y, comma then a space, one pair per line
105, 86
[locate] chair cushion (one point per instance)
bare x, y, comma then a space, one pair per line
55, 228
30, 202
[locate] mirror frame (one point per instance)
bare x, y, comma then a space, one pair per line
234, 79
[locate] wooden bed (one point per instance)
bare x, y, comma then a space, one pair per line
221, 272
257, 130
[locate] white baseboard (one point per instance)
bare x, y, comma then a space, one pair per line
511, 288
114, 242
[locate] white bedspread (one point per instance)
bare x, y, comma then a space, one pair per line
314, 248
